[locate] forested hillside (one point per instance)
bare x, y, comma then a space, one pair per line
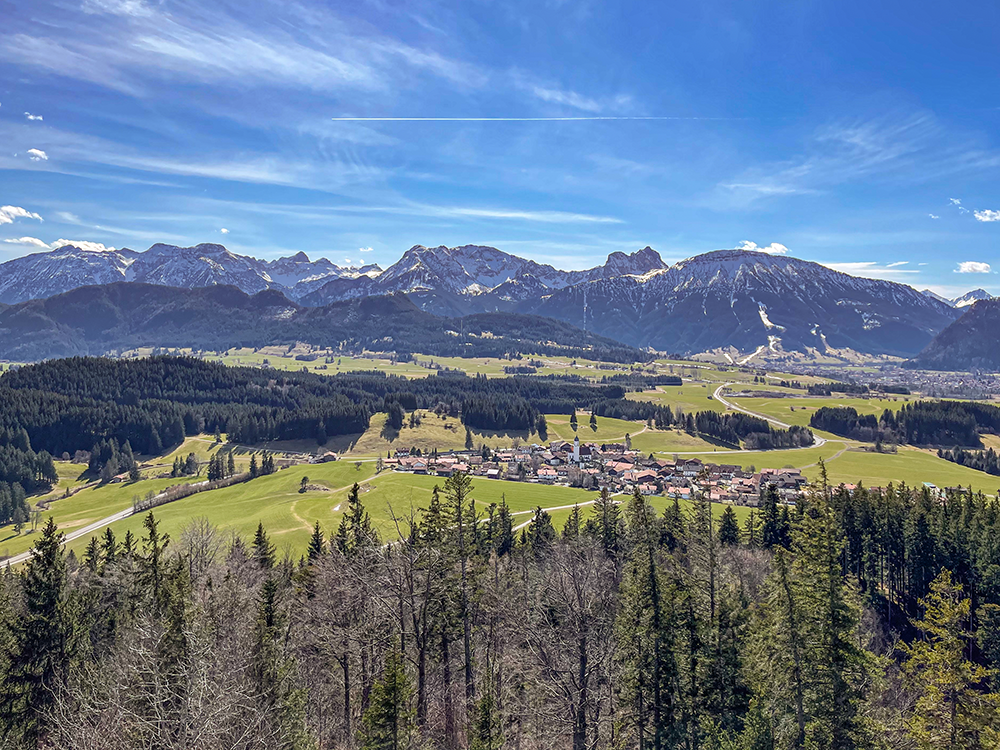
864, 620
70, 404
98, 319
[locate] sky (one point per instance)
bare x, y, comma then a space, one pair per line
865, 136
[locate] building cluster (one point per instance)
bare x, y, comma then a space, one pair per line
612, 465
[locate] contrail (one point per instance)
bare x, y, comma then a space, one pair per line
513, 119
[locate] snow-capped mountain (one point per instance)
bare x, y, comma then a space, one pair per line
44, 274
471, 278
751, 301
734, 302
972, 297
41, 275
965, 300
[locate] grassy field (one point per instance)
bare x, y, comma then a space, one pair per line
84, 507
800, 410
272, 500
608, 429
690, 397
909, 465
669, 441
289, 515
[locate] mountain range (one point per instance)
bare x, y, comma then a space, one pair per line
41, 275
127, 315
737, 303
970, 343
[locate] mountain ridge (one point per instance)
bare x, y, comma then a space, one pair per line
126, 315
741, 303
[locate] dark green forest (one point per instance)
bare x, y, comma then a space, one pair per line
67, 405
864, 620
944, 423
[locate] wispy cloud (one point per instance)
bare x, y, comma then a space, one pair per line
517, 119
9, 213
36, 118
987, 215
547, 217
36, 154
281, 45
366, 250
224, 231
973, 266
911, 147
934, 216
874, 270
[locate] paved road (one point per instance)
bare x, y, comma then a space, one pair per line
817, 440
69, 537
89, 529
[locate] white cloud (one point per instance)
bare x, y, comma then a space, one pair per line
775, 248
9, 213
348, 261
987, 215
955, 201
934, 216
96, 247
224, 230
37, 154
365, 250
973, 266
33, 117
27, 242
897, 264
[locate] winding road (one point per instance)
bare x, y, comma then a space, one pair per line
817, 440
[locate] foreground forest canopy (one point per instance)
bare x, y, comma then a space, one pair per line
865, 620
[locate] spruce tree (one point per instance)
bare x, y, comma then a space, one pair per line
356, 533
953, 710
388, 722
729, 528
263, 550
317, 544
38, 643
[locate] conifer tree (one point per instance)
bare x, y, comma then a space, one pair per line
729, 528
605, 524
263, 550
356, 532
37, 644
953, 709
645, 645
317, 544
388, 722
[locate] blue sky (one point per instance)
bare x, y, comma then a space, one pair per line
862, 135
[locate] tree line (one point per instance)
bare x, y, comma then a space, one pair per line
851, 620
944, 423
152, 403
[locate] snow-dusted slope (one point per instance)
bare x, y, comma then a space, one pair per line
43, 274
970, 298
476, 277
749, 299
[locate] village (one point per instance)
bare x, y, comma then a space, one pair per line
614, 466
